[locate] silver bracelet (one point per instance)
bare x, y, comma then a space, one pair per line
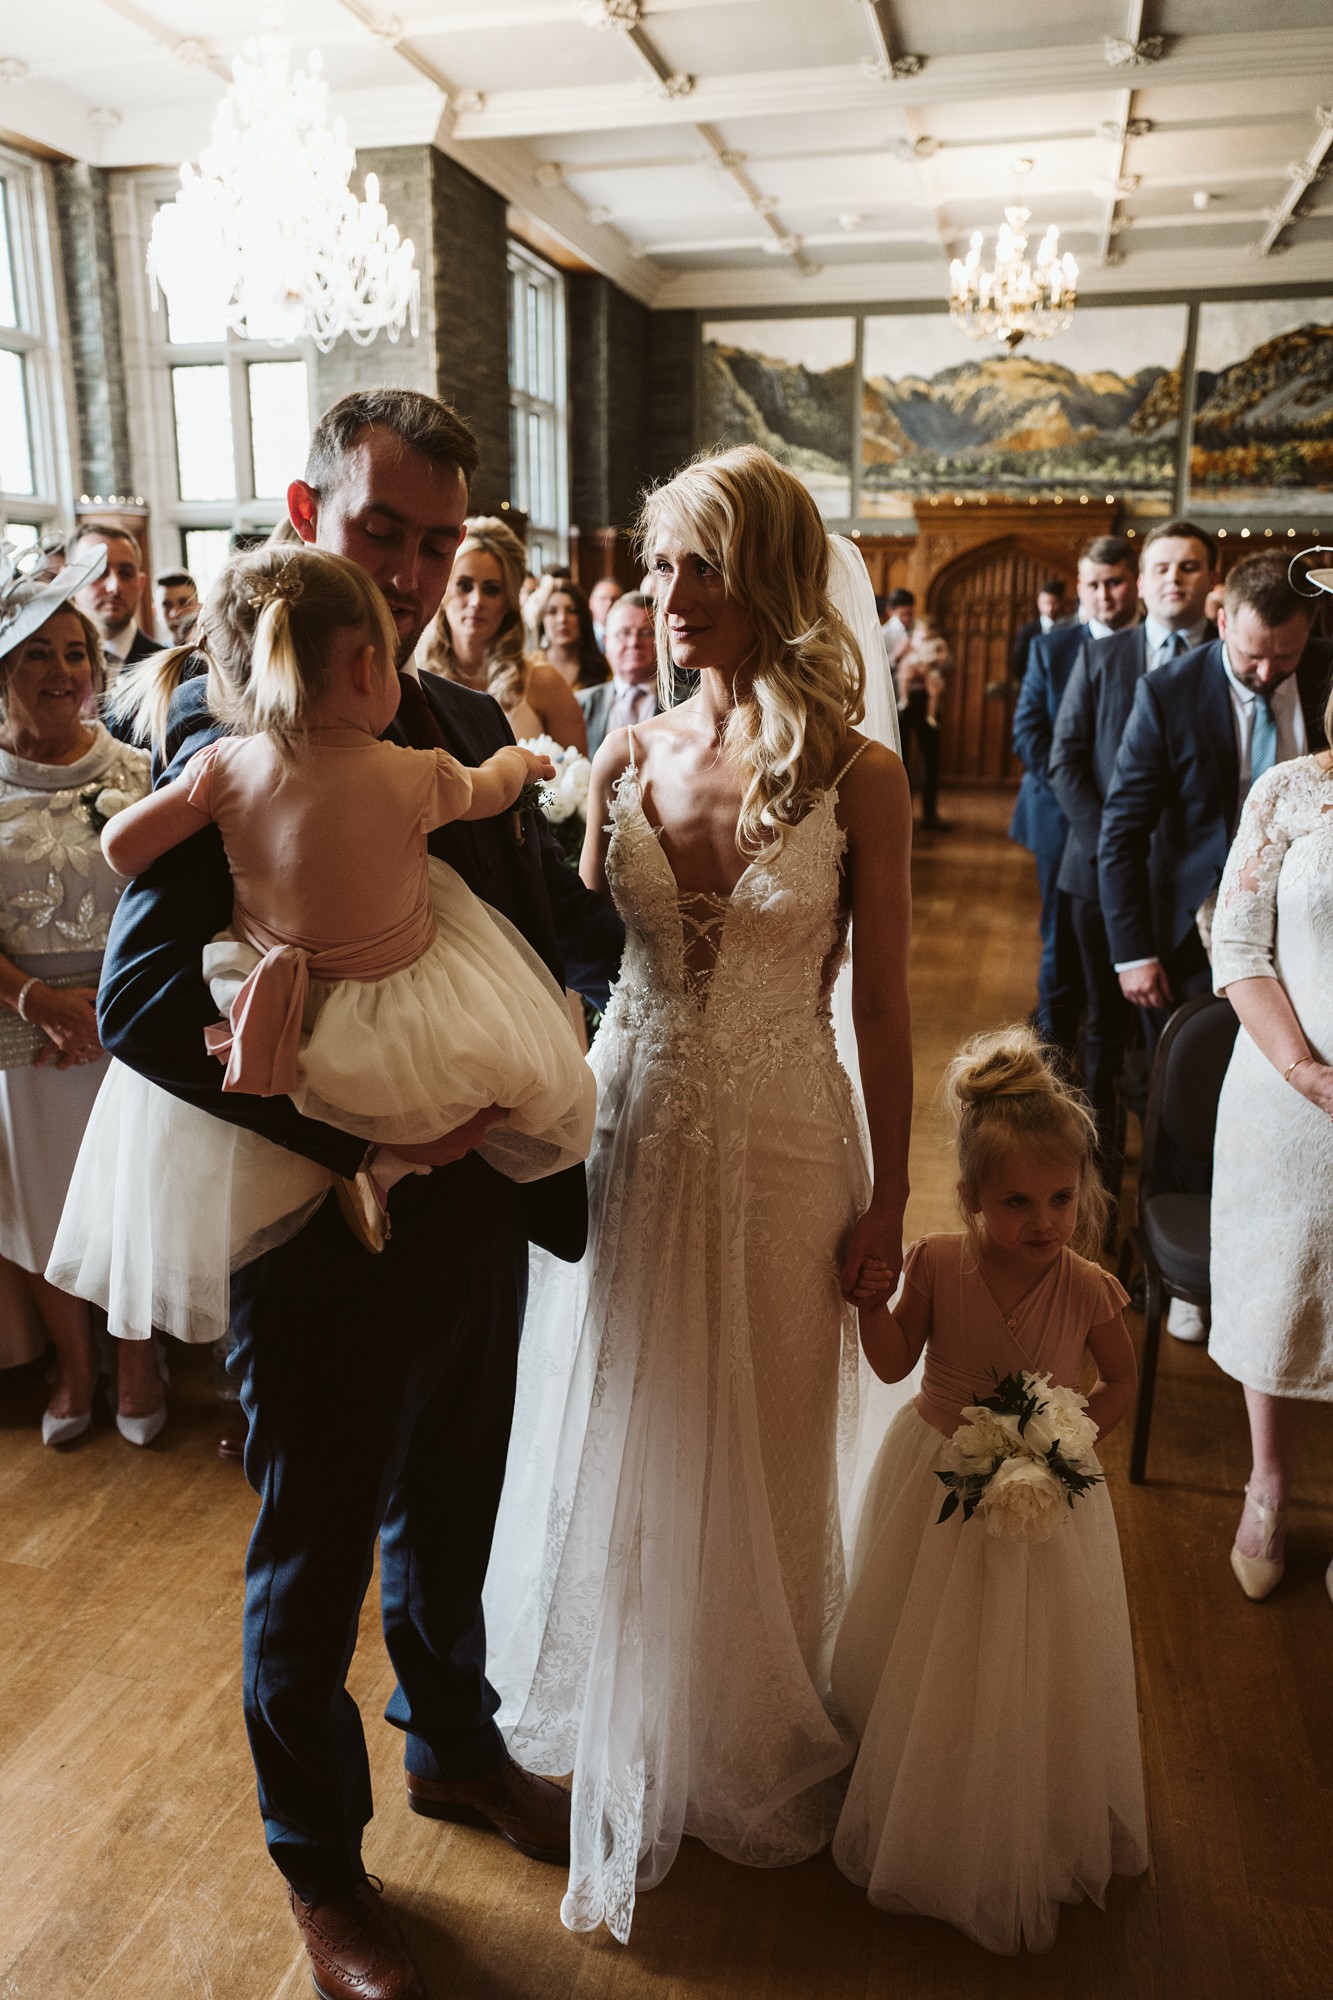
21, 1004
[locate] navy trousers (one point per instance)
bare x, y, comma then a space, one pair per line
1060, 974
380, 1391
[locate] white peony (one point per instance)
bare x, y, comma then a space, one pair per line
543, 746
977, 1444
110, 801
575, 777
1025, 1501
556, 806
1062, 1420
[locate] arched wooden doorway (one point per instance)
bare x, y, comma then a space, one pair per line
978, 602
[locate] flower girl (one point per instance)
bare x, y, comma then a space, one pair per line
359, 976
985, 1657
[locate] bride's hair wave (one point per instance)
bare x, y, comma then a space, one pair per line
802, 686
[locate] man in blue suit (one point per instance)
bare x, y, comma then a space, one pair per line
1201, 730
379, 1389
1106, 602
1176, 566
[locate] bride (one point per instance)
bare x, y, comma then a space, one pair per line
667, 1574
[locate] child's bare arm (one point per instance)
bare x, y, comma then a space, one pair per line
145, 831
497, 783
892, 1340
1117, 1373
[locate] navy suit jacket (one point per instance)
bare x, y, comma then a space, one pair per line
1174, 800
153, 1004
1038, 821
1088, 731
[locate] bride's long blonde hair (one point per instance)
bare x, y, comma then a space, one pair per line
803, 684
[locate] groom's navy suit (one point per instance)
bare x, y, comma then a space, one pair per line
379, 1388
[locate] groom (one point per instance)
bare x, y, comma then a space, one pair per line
379, 1389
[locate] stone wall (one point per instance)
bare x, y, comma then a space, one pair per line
406, 363
97, 350
470, 290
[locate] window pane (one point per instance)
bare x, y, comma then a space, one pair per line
8, 306
203, 433
15, 436
20, 534
279, 424
206, 550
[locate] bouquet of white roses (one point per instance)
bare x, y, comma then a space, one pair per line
564, 799
1020, 1459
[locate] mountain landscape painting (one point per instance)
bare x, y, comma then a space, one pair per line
789, 385
1096, 407
1263, 405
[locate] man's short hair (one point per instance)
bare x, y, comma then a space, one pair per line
1109, 551
1182, 531
176, 579
901, 600
423, 423
631, 600
1260, 584
1052, 586
106, 531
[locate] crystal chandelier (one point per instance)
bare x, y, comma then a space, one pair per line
267, 234
1014, 300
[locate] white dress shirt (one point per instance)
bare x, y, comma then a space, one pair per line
115, 652
1159, 638
1287, 714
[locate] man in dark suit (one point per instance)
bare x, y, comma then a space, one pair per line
112, 600
1051, 610
1175, 574
630, 695
1106, 599
1200, 731
379, 1389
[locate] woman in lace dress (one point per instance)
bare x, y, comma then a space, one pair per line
59, 777
1272, 1255
667, 1576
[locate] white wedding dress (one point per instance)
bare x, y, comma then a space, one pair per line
667, 1575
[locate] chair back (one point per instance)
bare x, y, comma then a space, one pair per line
1191, 1063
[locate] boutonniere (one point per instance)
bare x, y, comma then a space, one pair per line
101, 803
530, 799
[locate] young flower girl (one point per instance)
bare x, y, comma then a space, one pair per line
359, 976
985, 1657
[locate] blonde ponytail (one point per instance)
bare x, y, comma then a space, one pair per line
277, 692
141, 699
1001, 1093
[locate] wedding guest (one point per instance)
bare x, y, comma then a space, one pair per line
897, 626
600, 599
987, 1669
178, 597
631, 653
60, 774
1272, 1258
568, 640
1105, 587
535, 602
1051, 611
922, 662
114, 597
1175, 571
476, 637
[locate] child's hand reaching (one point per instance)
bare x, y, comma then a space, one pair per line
540, 769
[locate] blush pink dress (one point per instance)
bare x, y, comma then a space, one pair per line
991, 1681
361, 978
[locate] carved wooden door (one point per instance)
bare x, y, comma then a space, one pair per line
978, 603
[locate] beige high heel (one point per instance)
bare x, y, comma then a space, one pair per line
1260, 1575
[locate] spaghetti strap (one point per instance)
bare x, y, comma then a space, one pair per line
846, 767
632, 761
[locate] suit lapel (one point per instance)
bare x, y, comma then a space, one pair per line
1217, 729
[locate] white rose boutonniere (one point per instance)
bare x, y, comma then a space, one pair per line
1021, 1458
100, 803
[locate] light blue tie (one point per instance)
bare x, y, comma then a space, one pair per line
1176, 644
1263, 738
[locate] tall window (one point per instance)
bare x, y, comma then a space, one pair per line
223, 424
537, 403
34, 471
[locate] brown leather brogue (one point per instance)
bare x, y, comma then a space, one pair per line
356, 1950
531, 1813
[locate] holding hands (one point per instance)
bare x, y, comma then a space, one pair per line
68, 1018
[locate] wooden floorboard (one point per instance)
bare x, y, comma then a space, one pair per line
131, 1860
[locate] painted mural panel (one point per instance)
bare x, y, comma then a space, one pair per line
786, 384
1096, 408
1263, 406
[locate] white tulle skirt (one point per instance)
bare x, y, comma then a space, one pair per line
167, 1201
992, 1683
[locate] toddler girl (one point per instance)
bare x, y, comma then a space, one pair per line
991, 1677
359, 976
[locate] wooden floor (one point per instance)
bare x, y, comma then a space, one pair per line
131, 1859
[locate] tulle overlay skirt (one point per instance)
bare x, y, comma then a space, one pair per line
667, 1575
166, 1201
992, 1682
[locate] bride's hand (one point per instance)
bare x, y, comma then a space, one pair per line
873, 1260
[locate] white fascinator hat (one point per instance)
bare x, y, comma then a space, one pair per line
29, 593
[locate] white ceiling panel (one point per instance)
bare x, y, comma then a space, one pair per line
927, 28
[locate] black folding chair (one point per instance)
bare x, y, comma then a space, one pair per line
1172, 1237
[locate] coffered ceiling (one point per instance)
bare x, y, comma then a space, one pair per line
774, 152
